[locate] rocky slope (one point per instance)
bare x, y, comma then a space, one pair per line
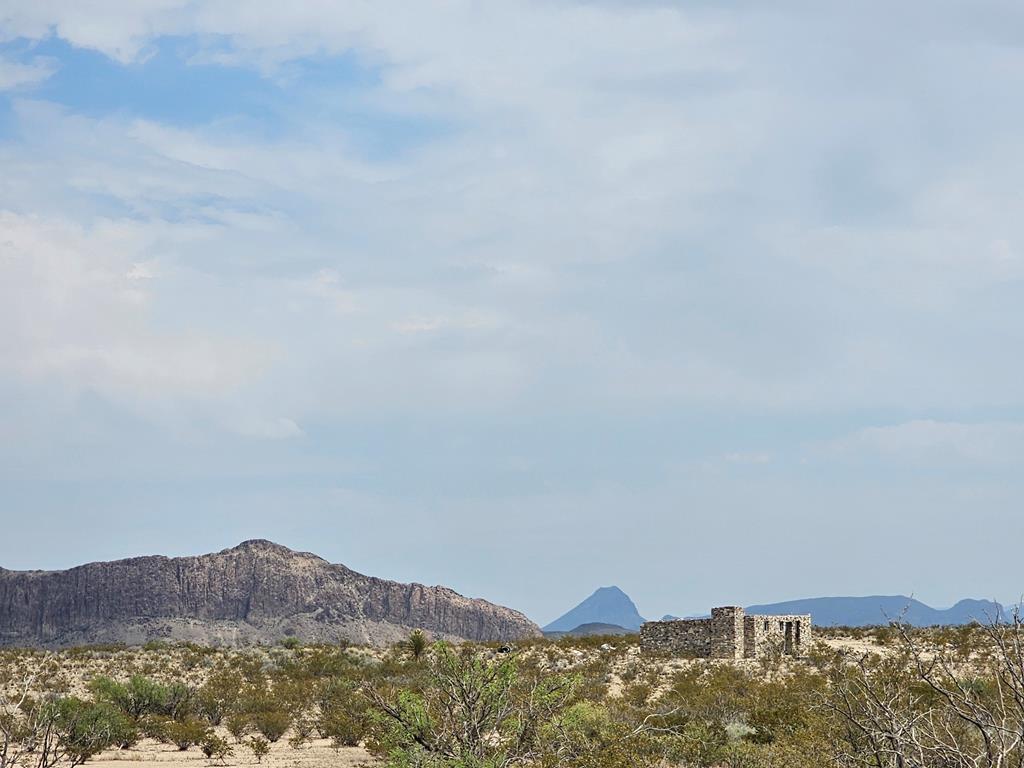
256, 592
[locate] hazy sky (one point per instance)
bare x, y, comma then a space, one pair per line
718, 302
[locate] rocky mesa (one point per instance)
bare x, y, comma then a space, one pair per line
256, 592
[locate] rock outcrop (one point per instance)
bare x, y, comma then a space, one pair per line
256, 592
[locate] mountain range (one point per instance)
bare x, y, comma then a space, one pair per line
256, 592
611, 606
881, 609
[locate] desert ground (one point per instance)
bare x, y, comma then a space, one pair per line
316, 754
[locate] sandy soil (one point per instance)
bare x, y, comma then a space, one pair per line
317, 754
856, 646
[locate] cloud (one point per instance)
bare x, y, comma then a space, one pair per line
17, 75
72, 312
609, 177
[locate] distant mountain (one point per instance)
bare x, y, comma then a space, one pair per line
608, 605
588, 630
880, 609
256, 592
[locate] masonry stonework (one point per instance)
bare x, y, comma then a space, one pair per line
728, 634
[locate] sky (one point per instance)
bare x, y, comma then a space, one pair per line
722, 303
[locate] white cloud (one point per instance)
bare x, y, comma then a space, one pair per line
15, 75
634, 206
71, 312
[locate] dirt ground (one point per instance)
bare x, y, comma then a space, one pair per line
316, 754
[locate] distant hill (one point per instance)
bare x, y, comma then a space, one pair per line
880, 609
608, 605
588, 630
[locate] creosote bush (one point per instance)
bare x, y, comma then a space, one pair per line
186, 733
259, 747
216, 748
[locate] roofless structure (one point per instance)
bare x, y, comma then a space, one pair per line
729, 634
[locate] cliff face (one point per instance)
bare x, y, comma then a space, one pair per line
257, 591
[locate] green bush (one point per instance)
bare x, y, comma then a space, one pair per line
260, 748
219, 695
272, 724
142, 696
470, 709
238, 725
216, 748
343, 713
186, 733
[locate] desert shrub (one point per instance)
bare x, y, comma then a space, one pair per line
180, 703
344, 726
589, 735
219, 695
342, 712
216, 748
260, 747
237, 725
291, 643
317, 663
776, 710
141, 696
471, 709
75, 730
302, 732
271, 723
186, 733
154, 727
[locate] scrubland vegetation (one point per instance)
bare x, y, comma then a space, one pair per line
889, 697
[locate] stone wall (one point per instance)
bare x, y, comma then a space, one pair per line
790, 634
682, 637
728, 634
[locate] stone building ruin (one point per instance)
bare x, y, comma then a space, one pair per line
728, 634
